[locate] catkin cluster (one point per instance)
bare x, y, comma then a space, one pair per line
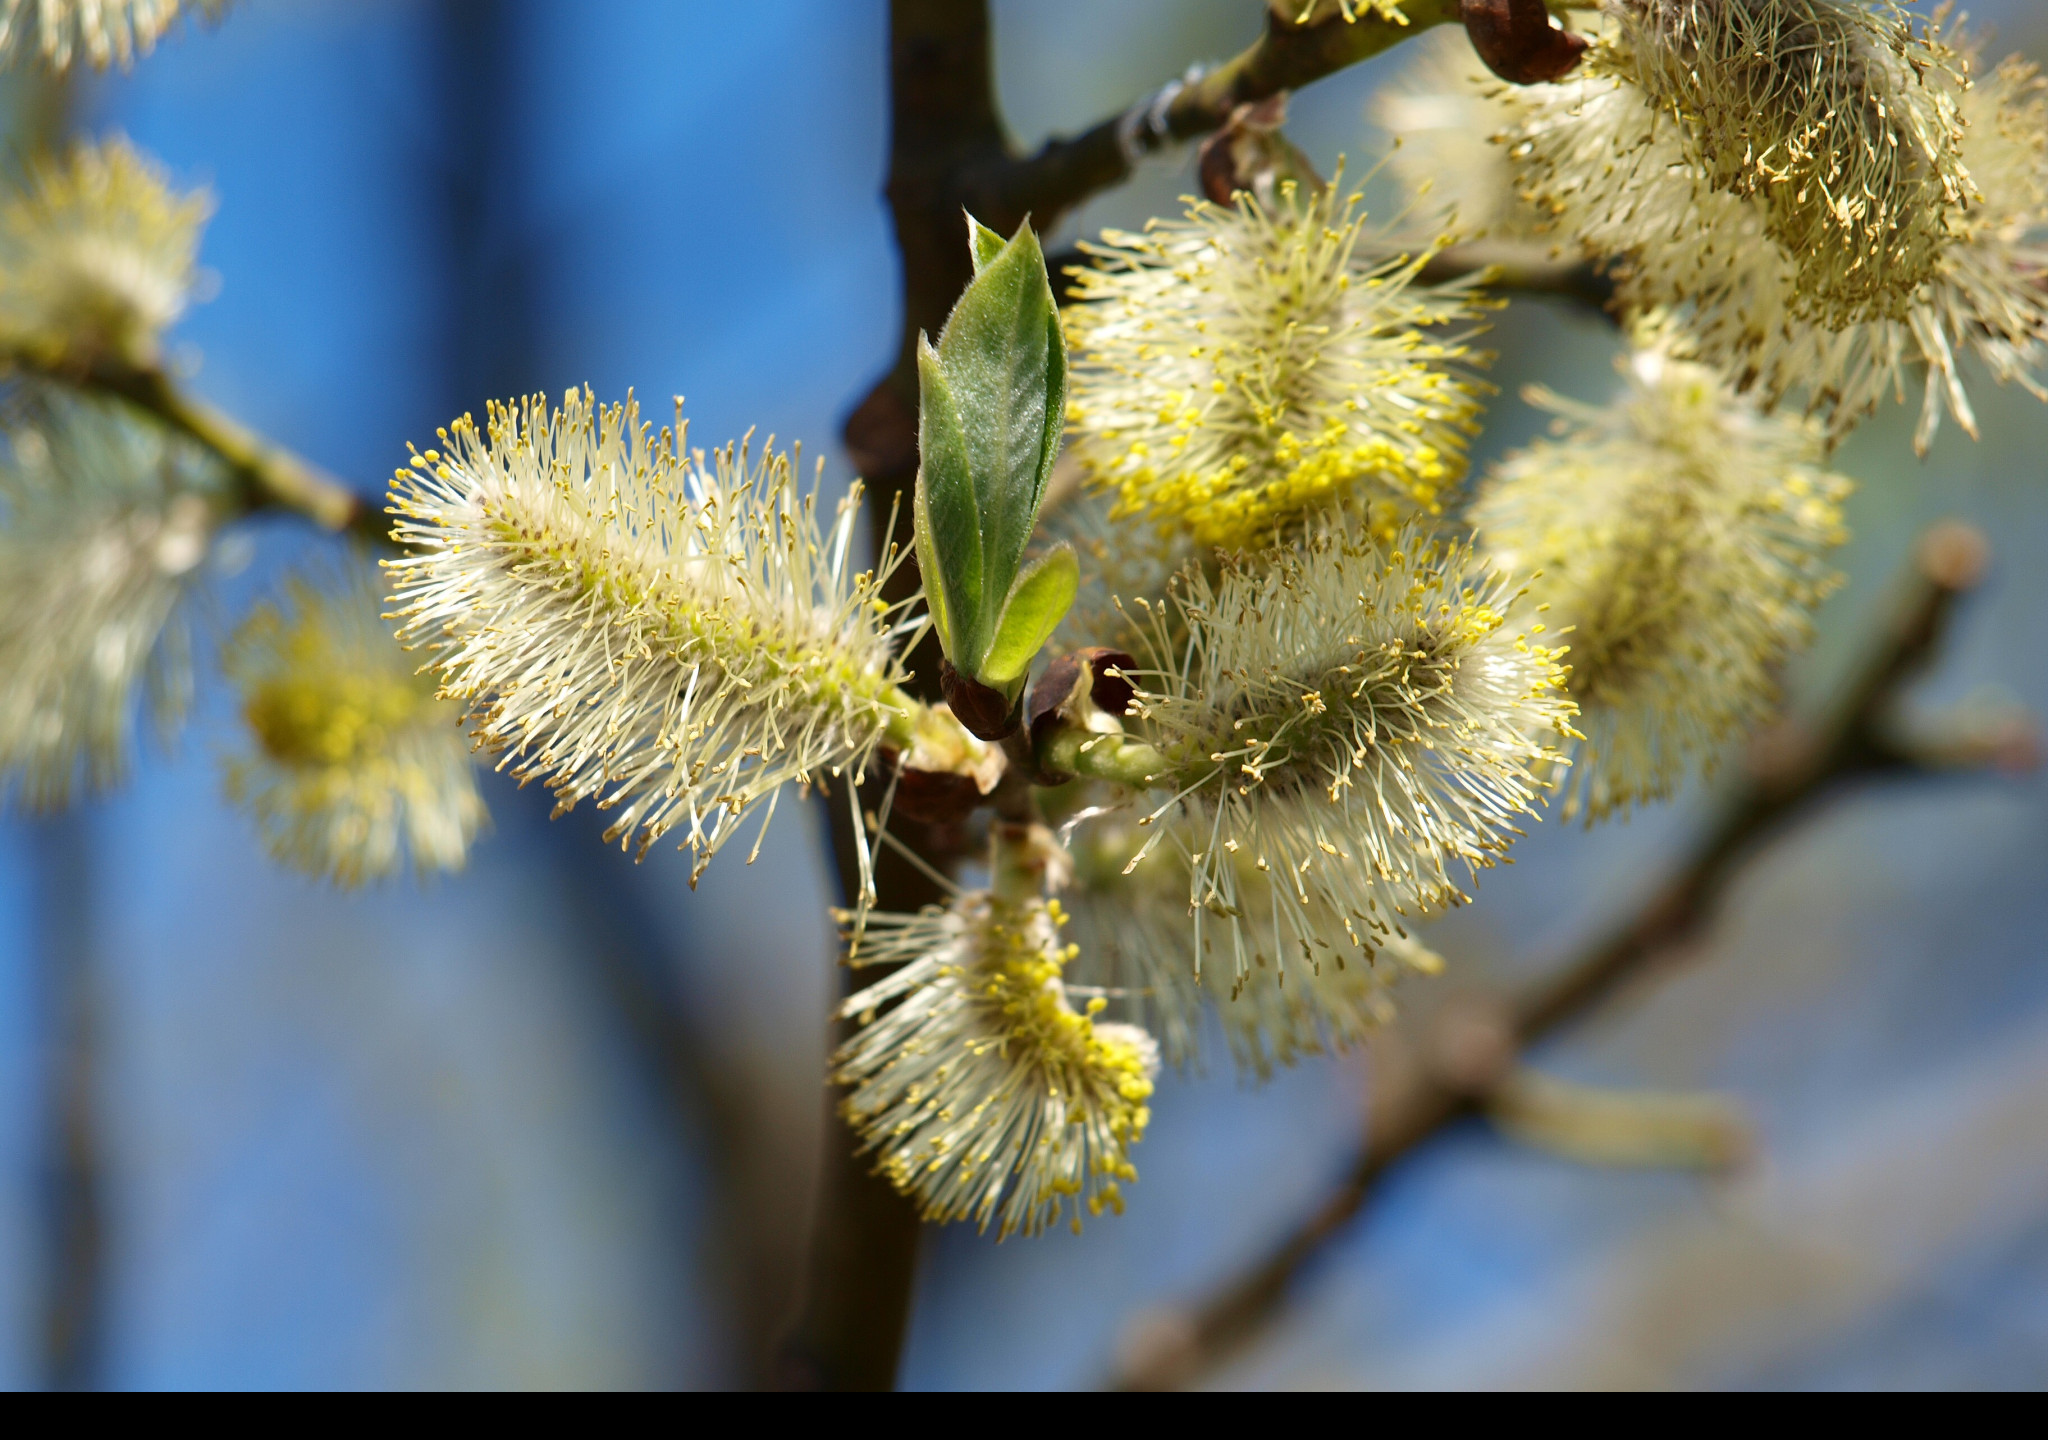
1315, 682
1824, 197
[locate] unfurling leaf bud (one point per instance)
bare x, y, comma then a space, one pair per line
992, 405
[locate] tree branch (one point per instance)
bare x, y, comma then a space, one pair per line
1507, 266
1789, 771
948, 154
1064, 172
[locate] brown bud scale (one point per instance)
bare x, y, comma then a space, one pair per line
1517, 41
936, 797
1057, 696
987, 713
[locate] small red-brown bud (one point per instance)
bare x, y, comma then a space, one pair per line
1955, 555
1252, 153
1517, 41
1471, 1044
987, 713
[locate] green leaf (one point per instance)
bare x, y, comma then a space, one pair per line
1005, 367
1037, 603
944, 512
983, 243
928, 568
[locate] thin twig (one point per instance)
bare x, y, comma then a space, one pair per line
1790, 770
948, 153
1063, 173
1526, 269
270, 476
1506, 266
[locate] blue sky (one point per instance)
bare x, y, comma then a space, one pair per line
409, 1137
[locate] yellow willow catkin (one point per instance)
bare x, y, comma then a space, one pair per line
985, 1095
102, 32
98, 256
1617, 181
1840, 119
1248, 365
1443, 114
1678, 539
1133, 936
104, 524
1350, 722
351, 764
674, 637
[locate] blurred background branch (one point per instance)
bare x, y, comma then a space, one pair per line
270, 476
74, 1181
